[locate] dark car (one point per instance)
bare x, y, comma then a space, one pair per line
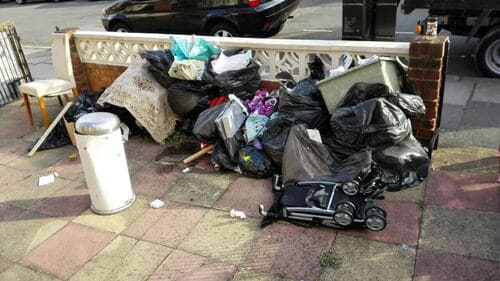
259, 18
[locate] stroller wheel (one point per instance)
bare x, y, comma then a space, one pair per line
343, 218
374, 210
350, 188
375, 223
346, 206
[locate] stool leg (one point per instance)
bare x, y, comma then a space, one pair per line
43, 110
66, 97
75, 92
28, 108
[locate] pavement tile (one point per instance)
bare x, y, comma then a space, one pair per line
8, 213
221, 237
252, 275
362, 259
42, 159
474, 136
68, 250
123, 259
462, 232
21, 273
142, 150
183, 266
15, 128
66, 203
11, 149
23, 233
464, 191
68, 169
290, 251
403, 220
9, 177
458, 92
486, 91
205, 164
167, 226
154, 180
451, 115
481, 115
245, 194
199, 188
465, 159
116, 222
4, 264
438, 266
414, 194
27, 193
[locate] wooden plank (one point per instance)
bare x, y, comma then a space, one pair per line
49, 129
198, 154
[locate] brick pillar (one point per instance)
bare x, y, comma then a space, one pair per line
79, 72
427, 72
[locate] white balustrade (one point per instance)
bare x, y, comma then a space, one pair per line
274, 55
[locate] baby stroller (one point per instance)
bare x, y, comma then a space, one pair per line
332, 204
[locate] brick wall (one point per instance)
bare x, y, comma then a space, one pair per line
101, 76
427, 72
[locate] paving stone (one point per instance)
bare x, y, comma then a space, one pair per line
4, 264
68, 169
433, 265
245, 194
8, 213
66, 203
180, 265
414, 194
462, 232
123, 259
133, 166
480, 137
205, 164
15, 128
229, 242
465, 159
402, 224
154, 180
21, 273
142, 150
290, 251
26, 231
41, 160
68, 250
27, 193
481, 115
167, 226
362, 259
251, 275
458, 92
451, 116
486, 91
10, 177
11, 149
199, 189
464, 191
116, 222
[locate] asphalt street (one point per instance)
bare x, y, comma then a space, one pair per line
314, 19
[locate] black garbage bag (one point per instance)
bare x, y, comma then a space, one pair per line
305, 159
356, 166
85, 103
220, 157
411, 104
372, 123
205, 128
254, 163
233, 146
243, 82
403, 165
57, 138
317, 68
274, 137
305, 104
160, 62
188, 99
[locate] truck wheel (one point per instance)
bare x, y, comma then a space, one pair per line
223, 30
488, 54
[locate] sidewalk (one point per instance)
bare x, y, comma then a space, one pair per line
445, 229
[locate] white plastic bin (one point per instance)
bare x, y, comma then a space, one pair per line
100, 144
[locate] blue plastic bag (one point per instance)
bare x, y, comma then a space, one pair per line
196, 48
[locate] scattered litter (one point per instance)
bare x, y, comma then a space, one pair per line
405, 250
186, 170
46, 180
156, 204
237, 214
73, 156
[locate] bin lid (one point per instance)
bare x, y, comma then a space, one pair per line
97, 123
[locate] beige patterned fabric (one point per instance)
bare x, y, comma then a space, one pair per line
137, 91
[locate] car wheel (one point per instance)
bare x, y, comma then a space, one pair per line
488, 54
120, 27
223, 30
20, 2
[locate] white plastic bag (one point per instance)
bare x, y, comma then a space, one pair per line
187, 69
236, 62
